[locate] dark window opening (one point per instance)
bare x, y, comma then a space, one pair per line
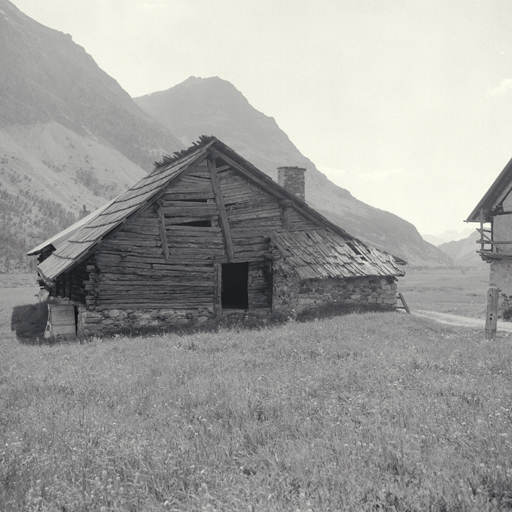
235, 278
198, 223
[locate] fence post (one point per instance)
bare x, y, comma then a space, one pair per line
492, 313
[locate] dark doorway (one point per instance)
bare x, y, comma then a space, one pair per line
235, 277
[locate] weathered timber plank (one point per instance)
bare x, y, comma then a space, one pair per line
167, 277
134, 306
217, 295
177, 249
258, 226
262, 182
176, 221
140, 290
182, 291
253, 202
238, 217
169, 269
145, 234
195, 194
147, 214
253, 209
195, 178
244, 232
236, 182
156, 283
183, 187
200, 210
192, 300
298, 221
248, 193
161, 229
145, 262
157, 276
232, 199
214, 247
123, 243
139, 229
185, 204
194, 231
219, 200
258, 240
250, 255
285, 216
251, 247
201, 173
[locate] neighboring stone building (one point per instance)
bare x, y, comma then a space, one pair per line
494, 213
205, 234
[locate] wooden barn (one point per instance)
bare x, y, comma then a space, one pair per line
207, 234
494, 214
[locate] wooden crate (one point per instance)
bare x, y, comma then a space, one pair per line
61, 320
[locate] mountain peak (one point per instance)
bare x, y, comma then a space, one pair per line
50, 78
215, 106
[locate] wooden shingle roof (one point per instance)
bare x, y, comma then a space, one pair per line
320, 254
83, 241
342, 253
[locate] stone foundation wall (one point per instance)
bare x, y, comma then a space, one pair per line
501, 276
292, 293
109, 321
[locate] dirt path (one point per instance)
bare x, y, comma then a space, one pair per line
462, 321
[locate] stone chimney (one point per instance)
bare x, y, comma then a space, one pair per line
293, 180
83, 213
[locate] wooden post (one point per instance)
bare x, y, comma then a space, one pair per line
217, 298
223, 217
162, 229
404, 304
492, 313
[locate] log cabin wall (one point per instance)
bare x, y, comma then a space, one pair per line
80, 277
164, 267
161, 268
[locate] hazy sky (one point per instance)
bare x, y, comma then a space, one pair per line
405, 103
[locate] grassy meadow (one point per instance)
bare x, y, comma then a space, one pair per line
455, 290
377, 412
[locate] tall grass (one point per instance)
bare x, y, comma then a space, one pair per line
362, 412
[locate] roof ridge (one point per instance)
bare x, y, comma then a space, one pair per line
177, 155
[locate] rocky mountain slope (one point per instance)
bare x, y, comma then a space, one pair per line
463, 252
47, 77
213, 106
69, 134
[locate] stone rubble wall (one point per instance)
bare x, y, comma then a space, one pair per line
501, 276
108, 321
292, 293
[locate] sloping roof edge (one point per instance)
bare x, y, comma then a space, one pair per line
194, 154
320, 253
489, 200
93, 245
65, 234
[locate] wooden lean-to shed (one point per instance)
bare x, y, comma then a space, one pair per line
205, 234
494, 214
